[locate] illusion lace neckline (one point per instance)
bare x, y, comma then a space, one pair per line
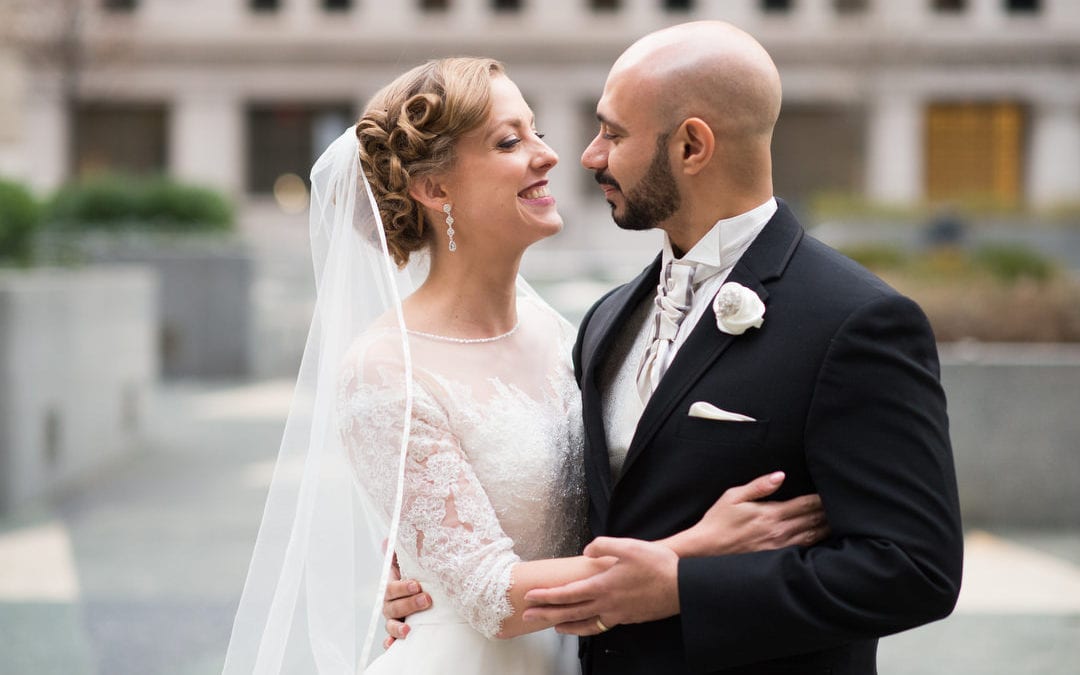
465, 341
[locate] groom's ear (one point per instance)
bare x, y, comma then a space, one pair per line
696, 145
429, 191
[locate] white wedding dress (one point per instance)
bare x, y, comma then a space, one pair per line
493, 476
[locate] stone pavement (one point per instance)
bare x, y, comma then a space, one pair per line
137, 570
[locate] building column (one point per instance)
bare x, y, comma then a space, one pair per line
300, 12
814, 13
895, 161
561, 14
46, 144
392, 17
11, 113
643, 15
159, 13
987, 13
471, 14
1054, 154
901, 14
742, 13
206, 135
1062, 15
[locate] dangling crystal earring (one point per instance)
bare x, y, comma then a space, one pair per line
449, 226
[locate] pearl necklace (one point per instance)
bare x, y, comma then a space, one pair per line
465, 341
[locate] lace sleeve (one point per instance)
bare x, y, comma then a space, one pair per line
447, 522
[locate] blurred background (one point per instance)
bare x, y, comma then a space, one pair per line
155, 283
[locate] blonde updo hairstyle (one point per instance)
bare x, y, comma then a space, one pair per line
408, 132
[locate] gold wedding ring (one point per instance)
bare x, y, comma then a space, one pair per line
601, 626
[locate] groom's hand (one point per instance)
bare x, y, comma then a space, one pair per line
643, 585
403, 597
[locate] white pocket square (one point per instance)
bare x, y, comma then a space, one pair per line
706, 410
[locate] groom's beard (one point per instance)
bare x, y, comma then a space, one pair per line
653, 199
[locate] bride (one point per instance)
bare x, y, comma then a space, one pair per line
436, 406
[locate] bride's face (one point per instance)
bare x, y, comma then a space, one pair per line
499, 185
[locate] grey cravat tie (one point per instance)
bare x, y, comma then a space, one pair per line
673, 301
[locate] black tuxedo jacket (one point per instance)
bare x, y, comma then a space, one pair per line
843, 382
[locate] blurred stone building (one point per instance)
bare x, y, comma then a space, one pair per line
896, 101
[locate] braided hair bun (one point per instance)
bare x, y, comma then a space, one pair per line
408, 132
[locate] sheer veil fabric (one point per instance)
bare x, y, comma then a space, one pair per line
312, 600
313, 592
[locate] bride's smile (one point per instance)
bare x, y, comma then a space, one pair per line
538, 195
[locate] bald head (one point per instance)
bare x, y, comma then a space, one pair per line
686, 121
706, 69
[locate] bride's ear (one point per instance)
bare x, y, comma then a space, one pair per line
429, 192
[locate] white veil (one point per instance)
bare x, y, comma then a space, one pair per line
312, 600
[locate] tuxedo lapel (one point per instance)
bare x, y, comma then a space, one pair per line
763, 262
604, 328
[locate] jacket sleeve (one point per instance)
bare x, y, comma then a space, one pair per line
877, 447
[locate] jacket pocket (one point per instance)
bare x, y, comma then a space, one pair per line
723, 432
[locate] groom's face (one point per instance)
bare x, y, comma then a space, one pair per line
630, 160
653, 198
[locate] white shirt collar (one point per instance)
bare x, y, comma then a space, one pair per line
727, 240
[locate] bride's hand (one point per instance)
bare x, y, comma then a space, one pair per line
739, 523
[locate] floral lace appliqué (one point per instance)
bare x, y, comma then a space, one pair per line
493, 474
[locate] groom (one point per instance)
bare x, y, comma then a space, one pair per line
761, 349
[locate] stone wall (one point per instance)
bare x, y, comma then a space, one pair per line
78, 356
206, 314
1014, 412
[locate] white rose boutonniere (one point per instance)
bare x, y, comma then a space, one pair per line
737, 309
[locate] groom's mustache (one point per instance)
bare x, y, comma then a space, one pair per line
606, 179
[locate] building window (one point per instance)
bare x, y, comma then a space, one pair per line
1023, 6
974, 151
850, 6
265, 5
605, 5
818, 150
507, 5
119, 5
776, 6
679, 5
337, 5
285, 139
434, 5
114, 138
955, 6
